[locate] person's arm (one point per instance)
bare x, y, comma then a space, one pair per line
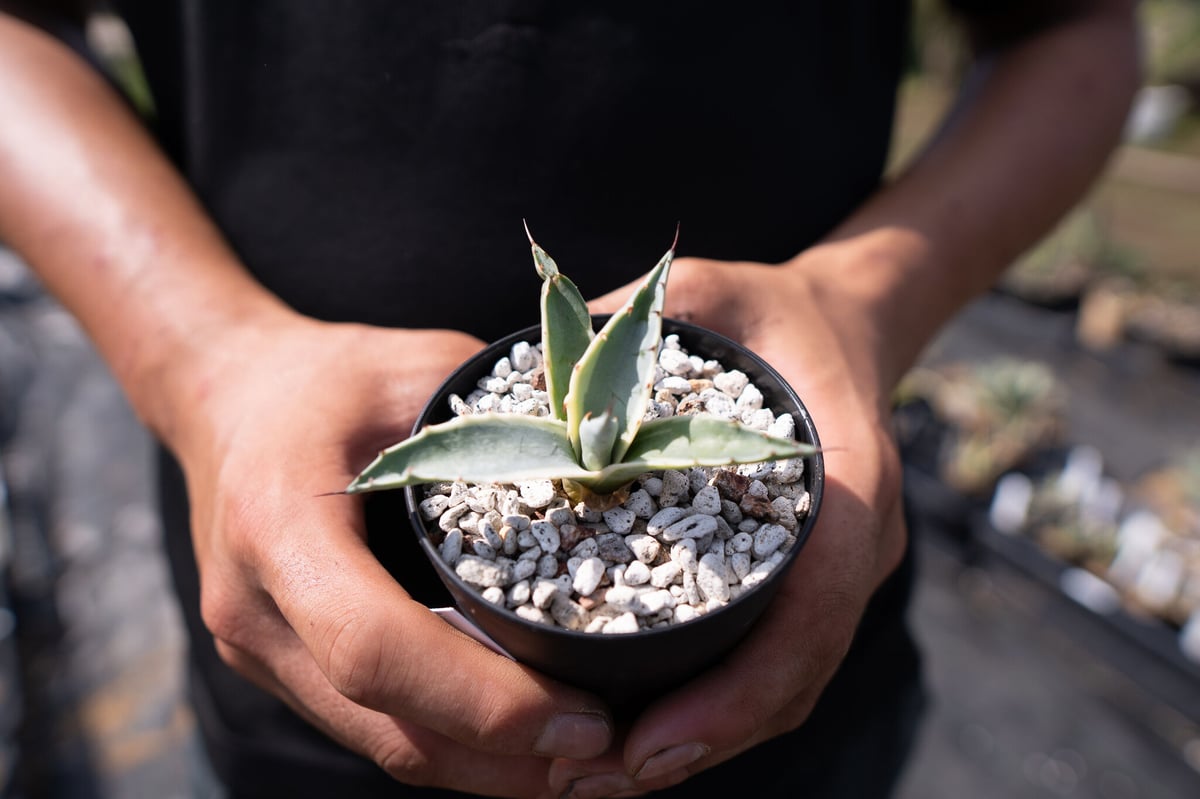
842, 322
266, 410
107, 223
1038, 117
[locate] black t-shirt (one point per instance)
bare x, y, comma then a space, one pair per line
357, 153
372, 161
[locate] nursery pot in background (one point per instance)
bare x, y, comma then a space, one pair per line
627, 670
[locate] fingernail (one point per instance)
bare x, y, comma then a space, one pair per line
574, 735
672, 759
599, 785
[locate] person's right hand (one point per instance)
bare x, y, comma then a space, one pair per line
287, 411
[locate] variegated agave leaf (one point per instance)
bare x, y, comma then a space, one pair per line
680, 442
615, 375
566, 327
596, 436
488, 448
509, 448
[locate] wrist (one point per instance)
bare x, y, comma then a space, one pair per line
172, 367
885, 292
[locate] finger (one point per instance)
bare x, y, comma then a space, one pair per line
612, 301
567, 777
383, 651
772, 680
603, 776
406, 751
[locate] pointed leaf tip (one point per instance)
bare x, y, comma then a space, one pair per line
566, 327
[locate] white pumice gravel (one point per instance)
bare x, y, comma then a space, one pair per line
682, 544
644, 547
638, 573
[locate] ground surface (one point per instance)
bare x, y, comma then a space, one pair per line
93, 707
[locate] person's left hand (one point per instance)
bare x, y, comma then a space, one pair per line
821, 339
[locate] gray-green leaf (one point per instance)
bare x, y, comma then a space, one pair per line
488, 448
679, 442
616, 373
597, 434
566, 327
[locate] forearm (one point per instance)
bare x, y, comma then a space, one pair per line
109, 226
1034, 129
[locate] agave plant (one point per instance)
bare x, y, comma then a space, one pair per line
595, 439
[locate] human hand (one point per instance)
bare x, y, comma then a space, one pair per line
290, 410
821, 340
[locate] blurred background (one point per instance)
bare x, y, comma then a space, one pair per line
1052, 442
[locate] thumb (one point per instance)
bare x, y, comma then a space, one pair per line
612, 301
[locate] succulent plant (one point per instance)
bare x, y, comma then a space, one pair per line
599, 385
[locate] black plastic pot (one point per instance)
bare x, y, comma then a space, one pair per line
626, 670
